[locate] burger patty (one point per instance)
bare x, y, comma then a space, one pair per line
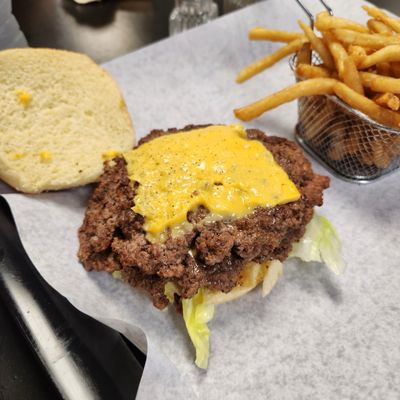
213, 254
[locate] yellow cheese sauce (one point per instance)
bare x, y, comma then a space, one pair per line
217, 167
23, 96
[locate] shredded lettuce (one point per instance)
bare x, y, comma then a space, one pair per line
320, 243
169, 290
117, 275
196, 313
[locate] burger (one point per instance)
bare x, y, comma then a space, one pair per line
202, 215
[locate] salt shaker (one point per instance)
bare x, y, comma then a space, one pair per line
190, 13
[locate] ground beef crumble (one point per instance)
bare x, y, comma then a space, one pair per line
112, 236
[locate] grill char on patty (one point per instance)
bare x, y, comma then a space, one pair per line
112, 236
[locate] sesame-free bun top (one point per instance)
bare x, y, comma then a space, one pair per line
61, 115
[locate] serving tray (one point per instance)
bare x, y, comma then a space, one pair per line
82, 357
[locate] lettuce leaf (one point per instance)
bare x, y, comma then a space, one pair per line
169, 290
117, 275
320, 243
196, 313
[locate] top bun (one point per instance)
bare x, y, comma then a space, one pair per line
61, 115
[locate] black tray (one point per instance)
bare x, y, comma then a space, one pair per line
76, 356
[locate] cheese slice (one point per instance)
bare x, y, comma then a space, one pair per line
217, 167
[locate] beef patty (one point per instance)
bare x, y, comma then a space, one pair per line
112, 237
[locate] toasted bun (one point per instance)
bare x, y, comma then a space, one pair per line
252, 275
61, 115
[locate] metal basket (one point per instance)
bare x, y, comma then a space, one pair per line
345, 141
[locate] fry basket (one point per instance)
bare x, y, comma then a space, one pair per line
345, 141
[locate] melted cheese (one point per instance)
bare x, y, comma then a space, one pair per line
110, 154
23, 96
45, 156
217, 167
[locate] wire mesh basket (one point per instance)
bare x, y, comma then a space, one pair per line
344, 140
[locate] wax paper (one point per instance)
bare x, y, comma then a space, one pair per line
316, 335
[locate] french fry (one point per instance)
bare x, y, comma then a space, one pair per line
357, 53
384, 68
374, 41
367, 106
318, 45
266, 62
367, 78
337, 149
273, 35
395, 69
381, 16
380, 156
379, 83
304, 54
308, 87
366, 156
306, 71
339, 55
394, 145
335, 152
318, 86
388, 100
387, 54
390, 146
345, 66
316, 122
376, 26
355, 59
335, 75
324, 22
352, 144
351, 77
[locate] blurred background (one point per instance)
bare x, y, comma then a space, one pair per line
110, 28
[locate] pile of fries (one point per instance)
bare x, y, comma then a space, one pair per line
358, 64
